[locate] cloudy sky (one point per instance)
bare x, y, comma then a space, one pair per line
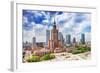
36, 22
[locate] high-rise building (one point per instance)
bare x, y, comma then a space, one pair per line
82, 39
34, 41
47, 36
60, 38
68, 39
74, 40
54, 41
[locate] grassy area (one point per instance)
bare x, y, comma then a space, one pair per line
33, 59
47, 57
38, 58
80, 49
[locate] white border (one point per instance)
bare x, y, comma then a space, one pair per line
17, 37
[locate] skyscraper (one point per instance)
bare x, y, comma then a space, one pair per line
54, 41
82, 39
34, 41
74, 40
60, 38
68, 39
47, 36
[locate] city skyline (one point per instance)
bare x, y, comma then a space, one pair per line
35, 24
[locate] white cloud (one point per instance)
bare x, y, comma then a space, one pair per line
45, 22
68, 27
63, 17
75, 29
25, 20
36, 13
40, 35
39, 26
28, 35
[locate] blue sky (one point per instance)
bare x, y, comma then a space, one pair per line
35, 22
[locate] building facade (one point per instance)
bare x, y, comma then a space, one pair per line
47, 37
68, 39
61, 38
82, 39
34, 43
74, 43
54, 42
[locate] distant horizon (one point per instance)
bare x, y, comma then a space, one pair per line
35, 24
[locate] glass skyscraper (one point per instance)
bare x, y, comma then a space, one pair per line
47, 36
68, 39
82, 39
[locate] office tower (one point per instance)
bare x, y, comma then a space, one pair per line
60, 38
74, 40
34, 41
82, 39
47, 36
68, 39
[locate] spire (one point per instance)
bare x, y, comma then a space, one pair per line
54, 26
